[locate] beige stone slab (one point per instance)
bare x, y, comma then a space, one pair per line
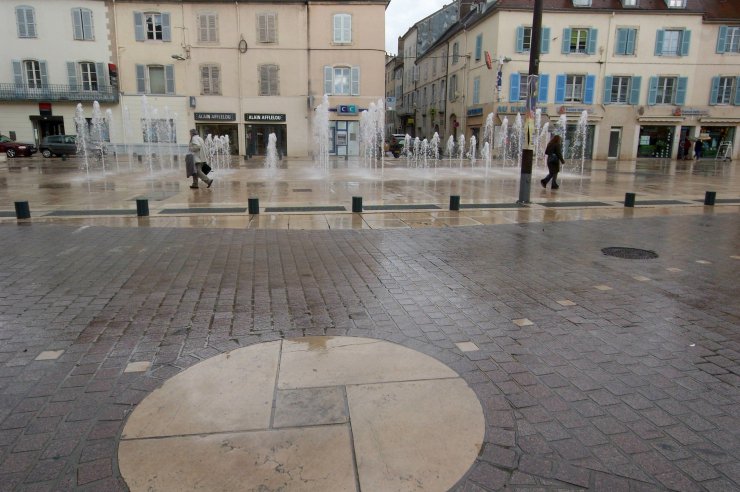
49, 355
309, 459
325, 361
602, 287
641, 278
704, 262
467, 346
399, 447
386, 223
674, 269
229, 392
566, 302
141, 366
309, 406
522, 322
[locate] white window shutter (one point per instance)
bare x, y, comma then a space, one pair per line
328, 79
205, 81
216, 79
77, 24
355, 76
87, 25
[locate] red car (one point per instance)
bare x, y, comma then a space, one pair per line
13, 148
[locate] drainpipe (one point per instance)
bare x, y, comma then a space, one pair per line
309, 89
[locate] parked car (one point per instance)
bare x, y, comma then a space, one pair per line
13, 148
397, 143
58, 145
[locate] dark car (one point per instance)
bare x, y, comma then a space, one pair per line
13, 148
58, 145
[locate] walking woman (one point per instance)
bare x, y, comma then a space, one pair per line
554, 152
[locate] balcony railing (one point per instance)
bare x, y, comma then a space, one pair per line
58, 92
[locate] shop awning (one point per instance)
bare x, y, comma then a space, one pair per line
660, 119
728, 120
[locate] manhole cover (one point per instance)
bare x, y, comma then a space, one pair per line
630, 253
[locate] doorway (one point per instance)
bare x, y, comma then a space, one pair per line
258, 137
44, 126
615, 138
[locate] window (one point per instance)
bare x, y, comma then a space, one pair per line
155, 79
207, 27
82, 24
476, 90
672, 42
267, 28
455, 52
578, 40
524, 39
523, 86
424, 98
728, 40
88, 76
723, 90
453, 87
574, 88
269, 83
434, 66
630, 3
581, 3
159, 130
666, 90
478, 47
620, 89
342, 80
342, 28
626, 41
153, 26
676, 4
210, 79
26, 22
32, 73
441, 94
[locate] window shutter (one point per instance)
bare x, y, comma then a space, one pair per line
72, 75
139, 26
355, 76
545, 41
169, 78
631, 39
652, 91
202, 27
591, 44
166, 28
262, 27
77, 24
337, 28
544, 87
514, 87
607, 99
274, 80
18, 73
658, 43
722, 39
205, 80
478, 46
20, 20
44, 74
683, 83
566, 41
588, 97
560, 88
347, 37
737, 91
520, 39
140, 79
622, 35
685, 42
212, 27
328, 79
31, 22
87, 25
100, 69
714, 93
635, 90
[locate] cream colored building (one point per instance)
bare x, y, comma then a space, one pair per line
647, 75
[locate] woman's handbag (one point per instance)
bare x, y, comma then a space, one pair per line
189, 165
206, 168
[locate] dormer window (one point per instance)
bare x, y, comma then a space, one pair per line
630, 3
581, 3
676, 4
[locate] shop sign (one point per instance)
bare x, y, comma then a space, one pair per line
567, 109
347, 109
511, 109
263, 117
475, 112
44, 109
215, 116
693, 112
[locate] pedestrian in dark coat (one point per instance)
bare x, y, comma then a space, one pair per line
698, 149
554, 153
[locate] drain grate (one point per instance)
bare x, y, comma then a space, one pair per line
630, 253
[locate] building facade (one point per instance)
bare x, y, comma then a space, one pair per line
242, 69
648, 74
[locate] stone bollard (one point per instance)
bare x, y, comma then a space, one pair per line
22, 210
629, 199
356, 204
253, 205
454, 202
142, 207
710, 197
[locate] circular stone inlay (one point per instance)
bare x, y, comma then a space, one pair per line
315, 413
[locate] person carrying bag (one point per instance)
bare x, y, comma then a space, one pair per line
199, 157
554, 152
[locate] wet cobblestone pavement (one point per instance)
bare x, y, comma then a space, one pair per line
593, 371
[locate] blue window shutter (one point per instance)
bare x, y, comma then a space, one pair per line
631, 40
514, 87
685, 42
140, 79
44, 74
715, 91
622, 35
478, 46
565, 48
659, 42
722, 39
544, 87
169, 78
355, 77
591, 45
635, 90
100, 69
683, 83
18, 73
139, 26
560, 88
77, 24
652, 91
737, 91
588, 97
607, 99
545, 42
328, 83
520, 39
72, 75
166, 28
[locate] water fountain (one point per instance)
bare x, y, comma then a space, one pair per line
109, 123
321, 133
435, 147
425, 151
461, 149
578, 148
417, 148
97, 133
503, 140
271, 156
82, 136
471, 153
450, 149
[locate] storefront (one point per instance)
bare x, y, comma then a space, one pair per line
216, 124
344, 137
713, 136
258, 128
656, 141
